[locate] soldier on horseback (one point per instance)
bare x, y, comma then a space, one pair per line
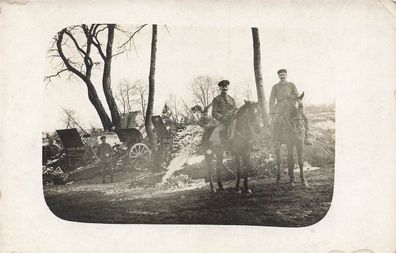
285, 93
223, 109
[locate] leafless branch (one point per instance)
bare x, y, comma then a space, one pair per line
122, 51
131, 37
80, 50
100, 30
96, 42
57, 74
166, 27
70, 117
64, 58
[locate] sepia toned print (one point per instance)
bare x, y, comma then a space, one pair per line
154, 124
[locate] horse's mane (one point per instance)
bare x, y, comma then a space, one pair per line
242, 109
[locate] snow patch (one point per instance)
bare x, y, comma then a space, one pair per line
189, 140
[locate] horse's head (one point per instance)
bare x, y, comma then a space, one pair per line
299, 102
253, 116
297, 115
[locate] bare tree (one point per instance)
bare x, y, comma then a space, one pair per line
258, 75
243, 93
173, 103
73, 46
141, 88
204, 89
125, 91
247, 93
132, 96
68, 118
71, 120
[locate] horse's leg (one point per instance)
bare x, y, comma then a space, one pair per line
246, 168
238, 172
278, 163
301, 164
290, 163
209, 162
219, 168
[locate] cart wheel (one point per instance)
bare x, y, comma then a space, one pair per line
139, 156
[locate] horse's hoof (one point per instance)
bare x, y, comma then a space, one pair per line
238, 191
249, 191
292, 184
305, 185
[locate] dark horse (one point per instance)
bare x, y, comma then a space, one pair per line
245, 123
292, 132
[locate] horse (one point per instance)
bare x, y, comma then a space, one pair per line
292, 133
246, 122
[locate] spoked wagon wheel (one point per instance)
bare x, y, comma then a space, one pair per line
139, 156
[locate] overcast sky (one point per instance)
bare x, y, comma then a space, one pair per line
311, 53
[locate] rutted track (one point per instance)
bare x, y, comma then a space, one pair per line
268, 205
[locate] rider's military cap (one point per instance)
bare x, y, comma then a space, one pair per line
223, 83
282, 71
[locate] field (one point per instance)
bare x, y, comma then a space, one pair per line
190, 202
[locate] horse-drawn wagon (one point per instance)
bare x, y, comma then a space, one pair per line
128, 144
138, 153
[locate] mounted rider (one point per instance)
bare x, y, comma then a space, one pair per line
224, 107
285, 93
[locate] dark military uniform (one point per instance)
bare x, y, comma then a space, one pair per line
285, 94
281, 92
223, 109
105, 154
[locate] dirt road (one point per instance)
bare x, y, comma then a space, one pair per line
268, 205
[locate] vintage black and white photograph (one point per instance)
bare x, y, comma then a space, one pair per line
161, 124
199, 126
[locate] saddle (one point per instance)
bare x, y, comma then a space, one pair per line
219, 134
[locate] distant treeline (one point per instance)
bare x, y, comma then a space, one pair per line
319, 108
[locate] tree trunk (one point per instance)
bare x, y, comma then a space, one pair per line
106, 80
258, 76
143, 104
92, 94
150, 103
95, 101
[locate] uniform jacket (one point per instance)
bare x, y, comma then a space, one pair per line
223, 107
281, 92
105, 152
